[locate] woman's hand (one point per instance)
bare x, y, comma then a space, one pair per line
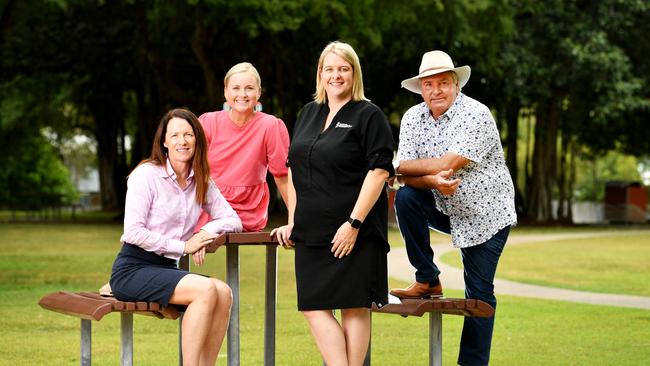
199, 256
283, 233
344, 240
196, 245
443, 184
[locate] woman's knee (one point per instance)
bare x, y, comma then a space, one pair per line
355, 312
224, 292
316, 315
193, 288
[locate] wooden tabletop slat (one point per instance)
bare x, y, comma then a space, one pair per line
263, 238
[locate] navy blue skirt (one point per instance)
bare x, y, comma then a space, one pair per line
139, 275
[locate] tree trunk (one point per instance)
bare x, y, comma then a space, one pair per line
562, 199
512, 124
543, 176
148, 98
572, 179
527, 160
206, 51
148, 114
107, 111
551, 151
213, 84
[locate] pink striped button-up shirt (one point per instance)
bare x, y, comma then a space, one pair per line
159, 215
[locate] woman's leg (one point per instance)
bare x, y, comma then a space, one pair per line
329, 336
220, 318
202, 299
356, 327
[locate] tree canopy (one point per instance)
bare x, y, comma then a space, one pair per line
111, 68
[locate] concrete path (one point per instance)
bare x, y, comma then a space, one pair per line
452, 277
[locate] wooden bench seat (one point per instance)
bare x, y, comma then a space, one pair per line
92, 306
418, 307
435, 308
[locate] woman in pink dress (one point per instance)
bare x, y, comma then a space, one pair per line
243, 144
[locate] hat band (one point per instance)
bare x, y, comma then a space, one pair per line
435, 68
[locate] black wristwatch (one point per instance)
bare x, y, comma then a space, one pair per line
354, 223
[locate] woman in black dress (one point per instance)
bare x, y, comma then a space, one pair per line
339, 160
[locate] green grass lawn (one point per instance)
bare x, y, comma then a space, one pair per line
618, 264
39, 258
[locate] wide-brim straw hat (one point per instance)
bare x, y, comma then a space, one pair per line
436, 62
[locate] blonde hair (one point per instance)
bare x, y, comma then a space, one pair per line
346, 52
243, 67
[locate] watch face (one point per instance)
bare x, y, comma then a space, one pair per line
354, 223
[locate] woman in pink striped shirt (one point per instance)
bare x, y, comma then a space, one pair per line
166, 194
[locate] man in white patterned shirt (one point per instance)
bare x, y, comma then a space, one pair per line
452, 134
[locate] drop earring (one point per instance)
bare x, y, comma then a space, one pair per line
226, 107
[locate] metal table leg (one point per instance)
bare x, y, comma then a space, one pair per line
126, 332
270, 301
232, 278
183, 263
86, 342
435, 339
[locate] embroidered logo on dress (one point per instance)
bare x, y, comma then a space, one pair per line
342, 125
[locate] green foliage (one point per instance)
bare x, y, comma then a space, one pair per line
111, 68
33, 175
593, 174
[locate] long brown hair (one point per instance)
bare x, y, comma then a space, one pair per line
199, 160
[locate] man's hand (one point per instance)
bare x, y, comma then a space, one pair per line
442, 182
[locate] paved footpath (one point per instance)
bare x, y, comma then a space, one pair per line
452, 277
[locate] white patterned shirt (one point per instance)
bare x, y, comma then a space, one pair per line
484, 202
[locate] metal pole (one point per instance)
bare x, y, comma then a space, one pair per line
126, 350
366, 361
271, 299
180, 339
232, 277
86, 342
435, 338
183, 263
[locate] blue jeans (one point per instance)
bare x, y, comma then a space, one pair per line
416, 214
